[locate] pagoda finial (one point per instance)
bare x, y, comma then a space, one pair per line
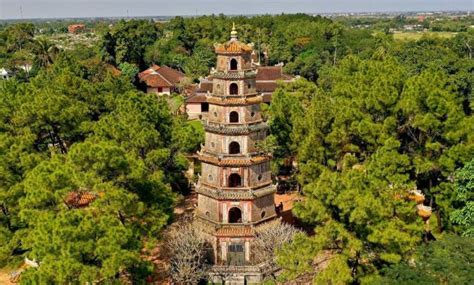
233, 34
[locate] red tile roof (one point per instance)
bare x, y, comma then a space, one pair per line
156, 80
269, 73
205, 86
233, 47
165, 76
197, 98
234, 101
267, 86
150, 70
75, 28
172, 75
80, 199
234, 161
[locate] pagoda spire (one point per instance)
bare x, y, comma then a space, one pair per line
233, 33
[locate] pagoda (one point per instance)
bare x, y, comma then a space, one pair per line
235, 190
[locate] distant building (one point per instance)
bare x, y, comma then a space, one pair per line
267, 78
161, 80
76, 28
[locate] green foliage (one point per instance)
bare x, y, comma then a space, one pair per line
199, 64
100, 240
446, 261
166, 51
370, 131
80, 129
129, 71
126, 41
463, 203
384, 116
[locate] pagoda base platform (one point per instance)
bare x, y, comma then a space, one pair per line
237, 275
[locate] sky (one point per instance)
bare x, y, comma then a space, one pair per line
17, 9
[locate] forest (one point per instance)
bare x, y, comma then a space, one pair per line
370, 119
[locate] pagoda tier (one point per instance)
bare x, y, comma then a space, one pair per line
245, 74
239, 194
234, 129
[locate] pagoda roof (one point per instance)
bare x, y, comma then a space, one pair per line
229, 129
217, 100
233, 47
220, 194
229, 161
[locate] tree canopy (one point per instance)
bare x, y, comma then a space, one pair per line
370, 131
69, 139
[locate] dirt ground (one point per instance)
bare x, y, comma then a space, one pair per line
287, 200
5, 276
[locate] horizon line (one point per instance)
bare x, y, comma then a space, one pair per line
468, 11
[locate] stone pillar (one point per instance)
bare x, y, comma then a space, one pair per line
224, 250
224, 213
247, 250
245, 216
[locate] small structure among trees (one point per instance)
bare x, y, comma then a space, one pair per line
161, 79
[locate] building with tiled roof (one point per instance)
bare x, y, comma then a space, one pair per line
161, 80
267, 80
76, 28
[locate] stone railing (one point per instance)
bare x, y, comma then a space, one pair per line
237, 268
234, 74
235, 128
233, 194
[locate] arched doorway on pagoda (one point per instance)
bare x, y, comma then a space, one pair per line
233, 89
235, 180
234, 117
234, 148
233, 64
235, 215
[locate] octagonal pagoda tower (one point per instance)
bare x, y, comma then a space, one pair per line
235, 190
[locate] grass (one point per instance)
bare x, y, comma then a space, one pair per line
197, 124
414, 36
175, 102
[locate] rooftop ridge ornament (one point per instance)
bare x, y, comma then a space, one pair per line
233, 33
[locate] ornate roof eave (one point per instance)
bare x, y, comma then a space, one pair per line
228, 101
250, 194
234, 161
234, 75
235, 130
233, 48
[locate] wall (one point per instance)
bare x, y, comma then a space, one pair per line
267, 204
193, 110
208, 208
220, 114
165, 91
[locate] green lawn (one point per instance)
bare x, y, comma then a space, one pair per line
175, 101
197, 124
414, 36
